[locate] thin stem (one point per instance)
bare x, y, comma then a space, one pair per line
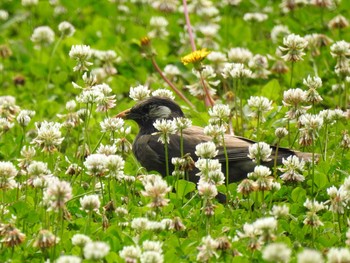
50, 60
326, 142
175, 89
275, 161
166, 158
208, 100
291, 75
226, 161
188, 24
313, 167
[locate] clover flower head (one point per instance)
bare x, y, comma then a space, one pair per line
294, 46
165, 128
96, 250
260, 152
140, 92
277, 252
206, 150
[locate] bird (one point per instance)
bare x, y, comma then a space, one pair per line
150, 152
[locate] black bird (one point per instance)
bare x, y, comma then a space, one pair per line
151, 154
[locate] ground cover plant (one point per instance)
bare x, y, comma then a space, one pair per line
276, 72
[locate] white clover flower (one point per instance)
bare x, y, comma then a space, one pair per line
151, 256
314, 205
24, 117
182, 123
294, 46
158, 21
336, 255
331, 116
112, 124
90, 96
340, 49
80, 240
107, 149
215, 131
90, 203
115, 165
259, 106
311, 122
208, 248
155, 246
310, 256
171, 71
265, 227
29, 2
7, 174
239, 55
339, 22
71, 105
68, 259
130, 254
164, 93
36, 168
217, 57
139, 223
279, 211
338, 199
294, 98
259, 64
57, 194
236, 71
255, 17
281, 132
206, 150
158, 25
313, 82
66, 29
208, 74
156, 188
5, 124
277, 252
207, 190
260, 152
208, 168
293, 169
246, 186
42, 36
4, 15
80, 53
219, 113
48, 137
139, 92
96, 250
261, 176
278, 32
165, 128
96, 164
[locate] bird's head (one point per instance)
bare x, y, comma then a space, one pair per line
147, 111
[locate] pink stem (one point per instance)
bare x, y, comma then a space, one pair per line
188, 24
176, 90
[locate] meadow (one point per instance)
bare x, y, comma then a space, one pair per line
276, 72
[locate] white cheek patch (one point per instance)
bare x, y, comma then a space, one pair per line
160, 112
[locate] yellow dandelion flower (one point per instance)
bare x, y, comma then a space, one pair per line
195, 56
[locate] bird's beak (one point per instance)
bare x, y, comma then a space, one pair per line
123, 114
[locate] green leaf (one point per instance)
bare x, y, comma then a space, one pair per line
298, 195
320, 180
184, 187
272, 90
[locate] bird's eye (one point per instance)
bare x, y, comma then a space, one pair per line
158, 112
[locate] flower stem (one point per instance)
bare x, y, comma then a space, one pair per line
175, 89
291, 75
188, 24
166, 158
